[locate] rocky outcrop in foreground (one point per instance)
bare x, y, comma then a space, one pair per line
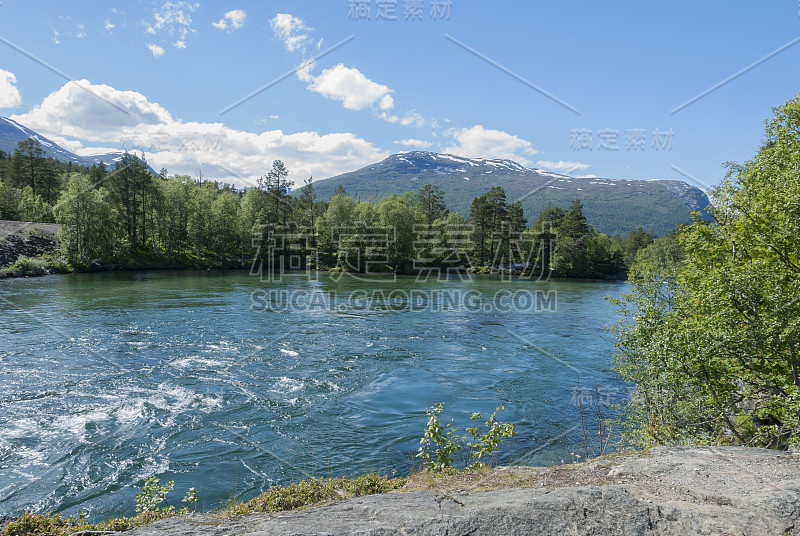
665, 491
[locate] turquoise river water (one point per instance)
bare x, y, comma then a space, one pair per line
230, 384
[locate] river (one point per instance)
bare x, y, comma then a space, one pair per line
231, 384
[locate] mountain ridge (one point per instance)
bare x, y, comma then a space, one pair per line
11, 133
614, 206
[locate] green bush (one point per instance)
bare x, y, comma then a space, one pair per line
55, 525
148, 500
34, 266
442, 450
152, 494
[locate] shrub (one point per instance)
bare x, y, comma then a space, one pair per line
440, 446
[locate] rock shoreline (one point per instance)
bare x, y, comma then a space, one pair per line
663, 491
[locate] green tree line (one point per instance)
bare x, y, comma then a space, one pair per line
132, 217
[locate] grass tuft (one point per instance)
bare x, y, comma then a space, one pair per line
313, 491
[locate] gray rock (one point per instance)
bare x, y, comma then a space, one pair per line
28, 239
664, 491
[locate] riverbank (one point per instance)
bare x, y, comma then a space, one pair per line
688, 490
665, 491
31, 249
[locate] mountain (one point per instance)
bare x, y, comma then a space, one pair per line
11, 133
613, 206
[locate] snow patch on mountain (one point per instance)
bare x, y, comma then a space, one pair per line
11, 133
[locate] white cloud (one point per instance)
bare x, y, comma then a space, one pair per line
347, 85
415, 119
173, 20
292, 31
410, 119
562, 166
9, 94
64, 27
93, 112
232, 20
387, 102
72, 115
479, 142
156, 50
352, 88
116, 19
419, 144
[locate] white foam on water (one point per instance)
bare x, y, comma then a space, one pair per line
328, 385
76, 422
196, 361
137, 405
287, 385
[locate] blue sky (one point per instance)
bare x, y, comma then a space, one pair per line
586, 88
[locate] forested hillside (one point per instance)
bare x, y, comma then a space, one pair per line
130, 217
614, 206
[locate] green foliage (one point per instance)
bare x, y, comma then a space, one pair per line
28, 162
33, 208
439, 445
443, 449
570, 247
9, 202
88, 220
153, 494
430, 200
634, 242
191, 497
35, 266
315, 490
44, 525
711, 335
148, 500
135, 219
29, 524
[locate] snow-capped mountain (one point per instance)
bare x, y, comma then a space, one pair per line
612, 205
11, 133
